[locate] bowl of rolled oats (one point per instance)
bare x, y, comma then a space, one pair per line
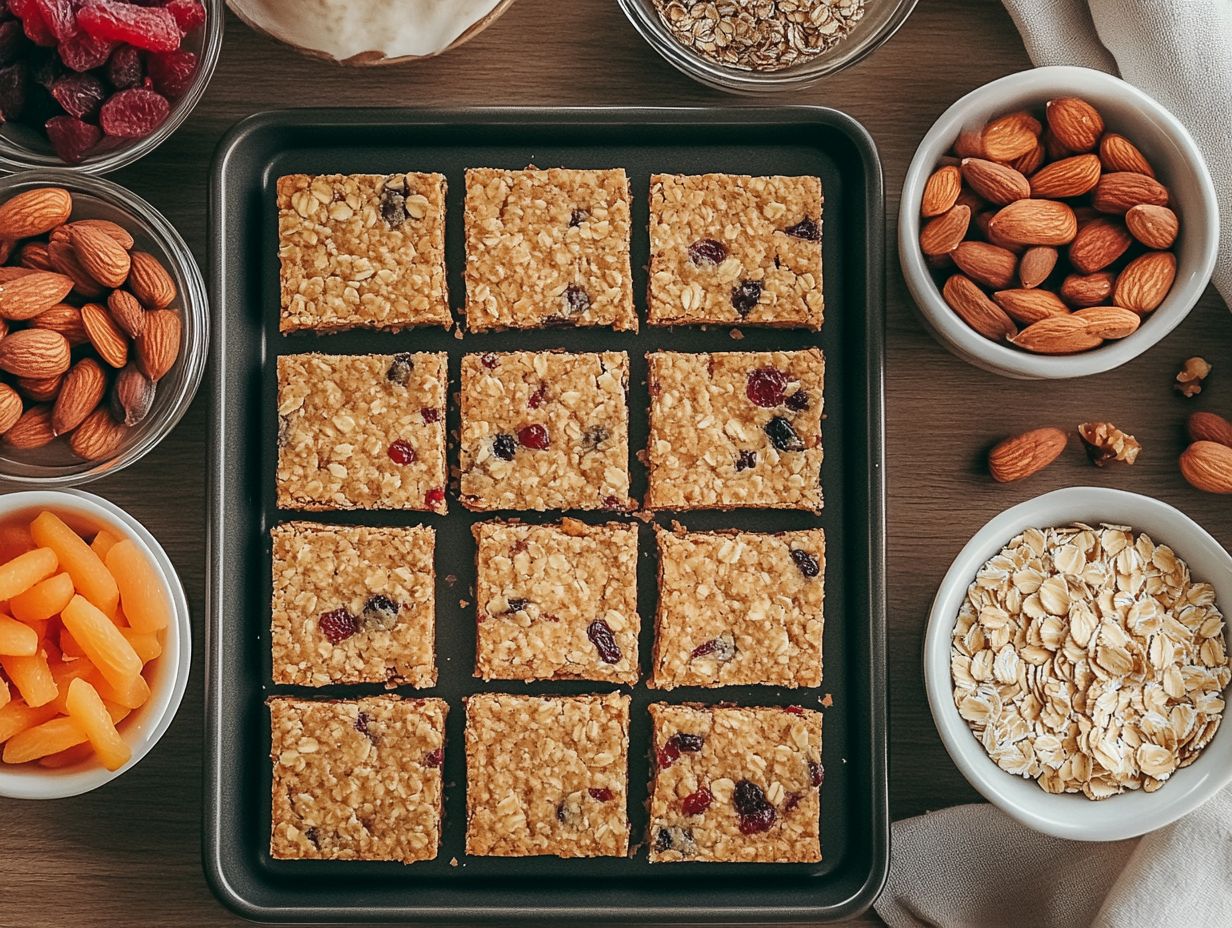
1076, 663
759, 46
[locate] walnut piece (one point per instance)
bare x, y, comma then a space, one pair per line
1189, 378
1105, 442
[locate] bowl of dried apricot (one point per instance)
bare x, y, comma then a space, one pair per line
1056, 223
95, 643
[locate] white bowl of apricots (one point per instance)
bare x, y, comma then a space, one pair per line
95, 643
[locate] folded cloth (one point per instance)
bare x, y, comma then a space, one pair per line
1178, 51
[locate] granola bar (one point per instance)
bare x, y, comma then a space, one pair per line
545, 430
548, 247
739, 608
735, 430
362, 251
353, 604
730, 249
735, 784
556, 602
361, 431
547, 775
356, 779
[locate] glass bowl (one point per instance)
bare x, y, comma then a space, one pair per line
882, 18
54, 465
25, 148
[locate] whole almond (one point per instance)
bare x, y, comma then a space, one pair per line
33, 212
64, 259
127, 312
970, 199
158, 346
940, 236
1053, 149
32, 430
1087, 289
34, 353
974, 308
1207, 465
149, 281
1069, 177
116, 232
132, 395
10, 407
1097, 244
1209, 426
102, 256
104, 335
30, 294
1035, 222
64, 319
40, 389
983, 226
12, 273
986, 263
1031, 162
1020, 456
1121, 191
97, 437
1036, 264
997, 183
34, 256
82, 391
1117, 153
1110, 321
1075, 123
1141, 286
1030, 306
940, 191
1056, 335
1154, 226
1010, 136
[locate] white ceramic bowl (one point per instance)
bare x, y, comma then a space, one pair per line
1125, 109
169, 677
1073, 816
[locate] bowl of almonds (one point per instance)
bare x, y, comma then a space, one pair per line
1056, 223
104, 328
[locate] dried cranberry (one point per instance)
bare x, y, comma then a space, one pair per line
58, 16
794, 710
381, 612
393, 201
534, 437
172, 72
668, 755
338, 625
697, 802
188, 14
504, 446
400, 452
32, 22
707, 253
817, 773
434, 496
807, 229
80, 94
489, 360
806, 562
782, 435
765, 387
756, 813
430, 414
71, 139
600, 635
684, 743
577, 217
434, 758
746, 460
361, 724
400, 368
133, 113
536, 399
614, 502
745, 296
601, 794
790, 803
124, 67
84, 52
722, 648
577, 300
12, 41
13, 90
797, 402
151, 28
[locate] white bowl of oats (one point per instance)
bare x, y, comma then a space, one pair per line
1075, 652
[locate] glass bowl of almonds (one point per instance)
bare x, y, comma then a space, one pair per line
765, 46
1076, 663
104, 328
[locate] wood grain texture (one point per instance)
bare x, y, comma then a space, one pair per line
129, 854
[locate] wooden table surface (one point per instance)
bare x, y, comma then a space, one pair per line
129, 854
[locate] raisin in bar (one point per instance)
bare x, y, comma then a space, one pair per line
729, 249
547, 248
545, 430
735, 784
547, 775
361, 432
353, 604
356, 779
735, 430
362, 251
739, 608
556, 602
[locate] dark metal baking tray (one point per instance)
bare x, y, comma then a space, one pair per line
456, 888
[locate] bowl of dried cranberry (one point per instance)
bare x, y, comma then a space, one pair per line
98, 85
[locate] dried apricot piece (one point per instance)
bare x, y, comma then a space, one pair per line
70, 650
40, 740
141, 588
101, 641
64, 673
90, 576
16, 639
32, 677
146, 644
86, 708
43, 600
5, 695
15, 539
17, 717
25, 570
68, 757
102, 543
132, 695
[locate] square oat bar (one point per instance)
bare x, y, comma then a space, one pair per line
547, 775
735, 250
735, 784
739, 608
362, 251
556, 602
735, 430
353, 604
361, 431
545, 430
356, 779
548, 247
